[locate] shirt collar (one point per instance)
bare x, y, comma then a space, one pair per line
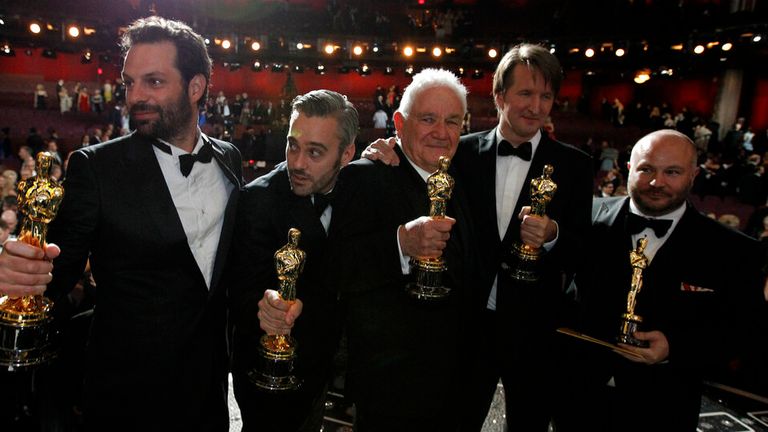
424, 174
534, 140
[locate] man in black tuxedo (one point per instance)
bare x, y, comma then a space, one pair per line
700, 299
517, 319
154, 212
295, 194
405, 355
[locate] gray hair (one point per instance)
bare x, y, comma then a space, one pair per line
430, 78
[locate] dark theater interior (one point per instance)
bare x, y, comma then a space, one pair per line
378, 354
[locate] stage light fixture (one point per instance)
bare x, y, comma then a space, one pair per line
329, 49
2, 21
73, 31
726, 46
226, 44
408, 51
49, 53
255, 46
477, 74
86, 57
437, 52
698, 49
409, 70
364, 70
89, 31
207, 41
28, 52
35, 28
460, 72
757, 38
277, 67
552, 49
256, 66
298, 69
375, 49
589, 52
492, 53
389, 70
299, 46
320, 69
620, 52
357, 50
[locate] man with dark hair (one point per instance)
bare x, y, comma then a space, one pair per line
295, 194
518, 319
157, 350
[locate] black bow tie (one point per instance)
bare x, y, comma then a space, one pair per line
321, 202
635, 224
523, 151
187, 160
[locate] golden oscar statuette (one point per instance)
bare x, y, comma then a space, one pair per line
275, 373
25, 323
527, 257
429, 271
630, 322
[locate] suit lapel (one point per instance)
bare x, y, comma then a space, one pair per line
413, 186
145, 183
221, 159
487, 153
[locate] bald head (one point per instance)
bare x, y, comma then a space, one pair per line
661, 172
667, 140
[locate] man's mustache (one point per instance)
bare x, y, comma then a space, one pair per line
144, 107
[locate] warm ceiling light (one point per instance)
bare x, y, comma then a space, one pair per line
699, 49
492, 53
329, 49
757, 38
726, 46
255, 46
357, 50
299, 45
375, 48
620, 52
35, 28
642, 76
437, 52
589, 52
226, 44
74, 31
408, 51
677, 47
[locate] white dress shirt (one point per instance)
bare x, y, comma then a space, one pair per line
511, 172
200, 200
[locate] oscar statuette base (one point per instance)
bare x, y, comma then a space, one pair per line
630, 323
274, 373
525, 265
429, 280
25, 332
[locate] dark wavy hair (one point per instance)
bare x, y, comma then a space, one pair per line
191, 53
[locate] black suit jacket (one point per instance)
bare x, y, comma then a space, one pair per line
404, 356
530, 313
157, 348
268, 208
697, 290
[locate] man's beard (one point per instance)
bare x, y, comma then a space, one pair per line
171, 121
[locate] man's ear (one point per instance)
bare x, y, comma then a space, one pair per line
196, 88
399, 119
348, 154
